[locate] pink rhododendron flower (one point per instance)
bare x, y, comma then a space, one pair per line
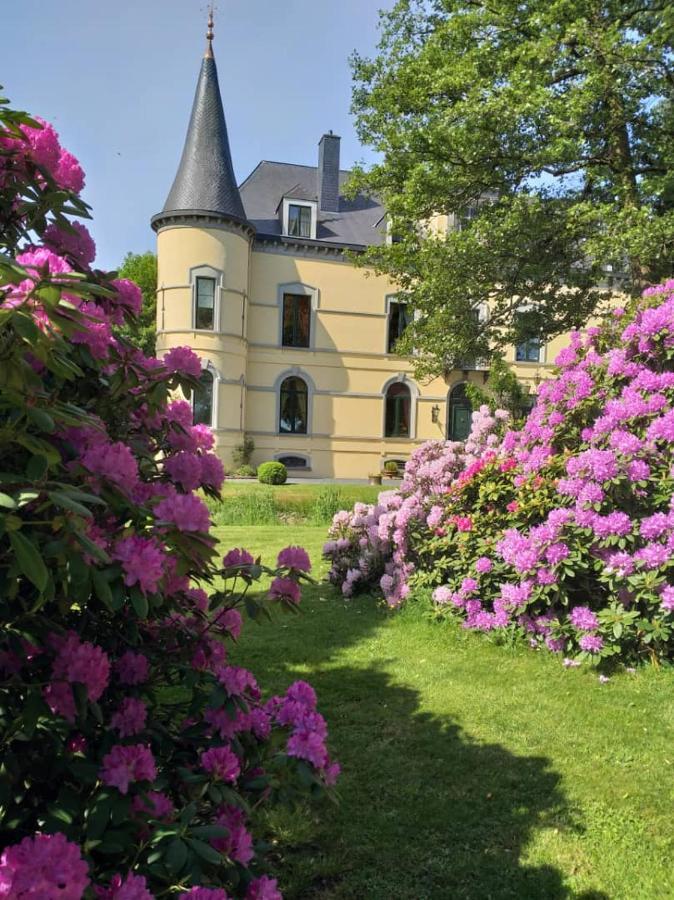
202, 893
186, 511
184, 469
142, 560
221, 763
238, 845
132, 668
264, 888
44, 867
184, 361
131, 887
235, 559
308, 745
80, 662
124, 764
130, 717
230, 621
153, 805
285, 589
483, 565
114, 462
129, 297
591, 643
294, 558
212, 471
76, 244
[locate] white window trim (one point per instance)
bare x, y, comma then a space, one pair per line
303, 290
392, 298
207, 366
401, 378
218, 275
295, 372
313, 206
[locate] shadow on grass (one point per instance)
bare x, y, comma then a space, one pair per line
425, 812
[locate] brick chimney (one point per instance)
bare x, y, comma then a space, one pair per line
328, 173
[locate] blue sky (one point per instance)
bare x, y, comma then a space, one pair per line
117, 79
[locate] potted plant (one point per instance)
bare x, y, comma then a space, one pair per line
391, 468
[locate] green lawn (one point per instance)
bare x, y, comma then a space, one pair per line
252, 503
470, 770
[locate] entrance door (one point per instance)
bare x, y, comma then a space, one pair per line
460, 414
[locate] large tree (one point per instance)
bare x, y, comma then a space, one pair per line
142, 268
545, 128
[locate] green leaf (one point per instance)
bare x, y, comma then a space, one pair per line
41, 419
176, 856
29, 559
103, 591
7, 502
139, 603
37, 468
63, 501
98, 819
205, 851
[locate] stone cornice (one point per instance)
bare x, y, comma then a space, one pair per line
201, 218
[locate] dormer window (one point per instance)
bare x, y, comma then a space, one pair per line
299, 218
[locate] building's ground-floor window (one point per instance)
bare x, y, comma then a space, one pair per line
398, 410
460, 413
202, 400
294, 462
293, 406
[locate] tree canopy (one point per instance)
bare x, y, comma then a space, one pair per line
544, 130
142, 268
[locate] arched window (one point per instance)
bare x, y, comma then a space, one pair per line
202, 400
398, 410
293, 406
460, 414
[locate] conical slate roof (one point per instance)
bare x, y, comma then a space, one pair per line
205, 181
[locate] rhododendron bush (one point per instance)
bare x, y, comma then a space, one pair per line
137, 760
561, 532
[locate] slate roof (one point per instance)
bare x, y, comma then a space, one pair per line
205, 181
359, 222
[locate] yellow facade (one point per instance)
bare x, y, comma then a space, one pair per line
346, 368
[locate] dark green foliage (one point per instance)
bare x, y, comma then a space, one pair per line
502, 390
547, 129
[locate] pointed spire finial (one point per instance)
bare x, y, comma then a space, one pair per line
209, 34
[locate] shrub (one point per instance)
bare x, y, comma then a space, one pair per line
242, 452
391, 467
136, 761
272, 473
246, 472
561, 532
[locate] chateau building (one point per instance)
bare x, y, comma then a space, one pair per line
297, 344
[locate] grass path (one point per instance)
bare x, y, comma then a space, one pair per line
470, 770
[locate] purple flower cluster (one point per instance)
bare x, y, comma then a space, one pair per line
584, 504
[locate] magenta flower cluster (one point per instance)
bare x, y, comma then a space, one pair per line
122, 714
562, 530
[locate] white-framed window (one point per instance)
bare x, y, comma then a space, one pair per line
203, 399
399, 316
300, 218
204, 303
294, 391
400, 395
298, 306
206, 283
